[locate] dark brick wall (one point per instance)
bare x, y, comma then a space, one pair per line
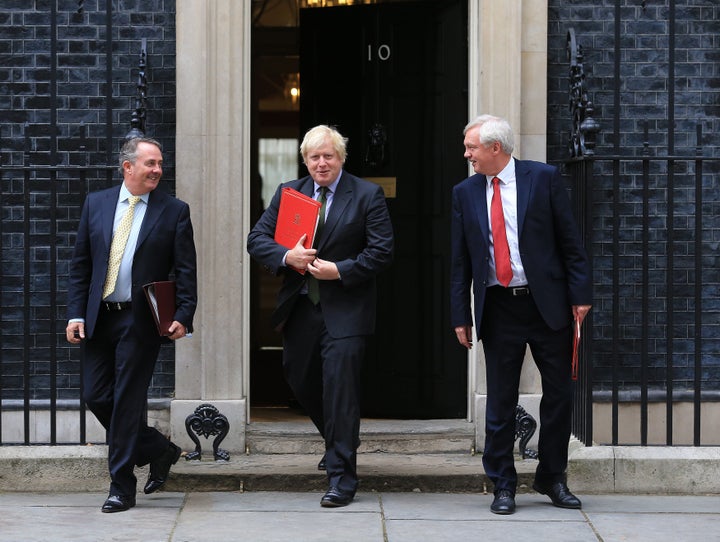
646, 98
67, 70
644, 68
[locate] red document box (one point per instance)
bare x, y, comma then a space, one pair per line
298, 215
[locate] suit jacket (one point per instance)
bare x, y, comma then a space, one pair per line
165, 245
555, 262
357, 236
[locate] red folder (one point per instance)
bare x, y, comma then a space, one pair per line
576, 346
161, 298
298, 215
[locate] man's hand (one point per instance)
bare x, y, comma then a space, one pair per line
323, 270
464, 336
177, 331
75, 332
580, 311
299, 257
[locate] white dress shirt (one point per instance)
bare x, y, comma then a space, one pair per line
328, 195
508, 193
123, 286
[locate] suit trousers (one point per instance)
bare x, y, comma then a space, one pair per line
117, 369
509, 325
324, 375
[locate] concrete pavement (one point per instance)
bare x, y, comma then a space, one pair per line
373, 517
635, 494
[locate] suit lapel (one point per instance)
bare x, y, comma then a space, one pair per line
307, 187
155, 207
341, 198
107, 219
524, 182
479, 196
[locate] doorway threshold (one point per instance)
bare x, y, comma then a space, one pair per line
286, 431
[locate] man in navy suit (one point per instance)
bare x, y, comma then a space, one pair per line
530, 280
327, 313
113, 317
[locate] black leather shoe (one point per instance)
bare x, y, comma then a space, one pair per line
335, 498
323, 464
160, 468
503, 503
559, 494
118, 503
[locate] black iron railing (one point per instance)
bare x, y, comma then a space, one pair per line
43, 184
652, 237
38, 369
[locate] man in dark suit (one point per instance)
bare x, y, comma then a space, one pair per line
107, 308
516, 247
327, 313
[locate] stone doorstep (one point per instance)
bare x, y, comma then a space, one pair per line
600, 469
73, 468
298, 472
431, 437
275, 445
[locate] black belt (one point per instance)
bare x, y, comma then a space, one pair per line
514, 291
115, 305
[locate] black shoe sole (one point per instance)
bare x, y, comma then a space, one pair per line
333, 504
502, 512
113, 509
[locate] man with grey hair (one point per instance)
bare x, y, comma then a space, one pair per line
128, 236
516, 248
327, 313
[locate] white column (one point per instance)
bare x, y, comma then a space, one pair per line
213, 176
533, 99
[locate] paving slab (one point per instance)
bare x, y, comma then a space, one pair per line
77, 517
372, 517
416, 530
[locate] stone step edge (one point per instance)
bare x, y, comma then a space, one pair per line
678, 470
378, 471
407, 446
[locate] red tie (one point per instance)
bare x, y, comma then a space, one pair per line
500, 242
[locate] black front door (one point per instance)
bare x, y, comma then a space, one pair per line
393, 79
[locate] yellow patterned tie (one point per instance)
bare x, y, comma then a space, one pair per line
118, 246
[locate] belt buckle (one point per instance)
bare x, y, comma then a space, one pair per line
521, 290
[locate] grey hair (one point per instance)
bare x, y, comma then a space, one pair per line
129, 149
316, 137
493, 129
